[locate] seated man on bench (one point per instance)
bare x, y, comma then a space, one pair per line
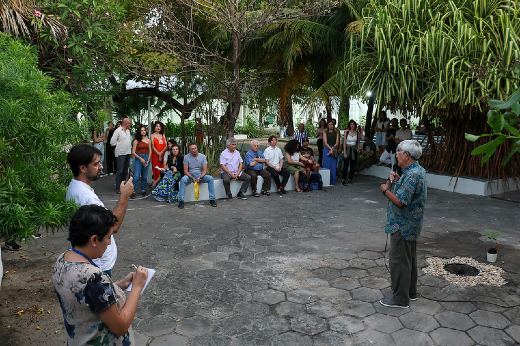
196, 170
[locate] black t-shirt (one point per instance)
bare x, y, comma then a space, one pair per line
392, 146
368, 147
307, 153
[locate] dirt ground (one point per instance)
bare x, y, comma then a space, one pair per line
29, 310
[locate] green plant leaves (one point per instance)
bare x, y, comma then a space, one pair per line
470, 137
498, 104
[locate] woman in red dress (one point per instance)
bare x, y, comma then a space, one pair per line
158, 148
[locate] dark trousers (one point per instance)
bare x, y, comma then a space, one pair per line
276, 176
266, 186
351, 163
111, 159
123, 162
320, 151
365, 162
403, 268
226, 180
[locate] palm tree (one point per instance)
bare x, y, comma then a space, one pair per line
441, 60
22, 18
305, 55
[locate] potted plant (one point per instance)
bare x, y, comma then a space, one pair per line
492, 253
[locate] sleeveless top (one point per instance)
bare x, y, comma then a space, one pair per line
142, 148
352, 140
331, 137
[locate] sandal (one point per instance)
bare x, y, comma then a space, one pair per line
256, 194
144, 193
266, 193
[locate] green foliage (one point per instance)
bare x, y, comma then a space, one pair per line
425, 55
98, 39
251, 128
310, 127
37, 128
499, 122
492, 235
174, 130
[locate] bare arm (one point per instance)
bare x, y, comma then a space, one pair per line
290, 161
325, 141
118, 321
98, 139
390, 195
204, 172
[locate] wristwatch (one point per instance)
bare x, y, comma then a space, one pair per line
384, 191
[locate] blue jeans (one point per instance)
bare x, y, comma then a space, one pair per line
185, 180
140, 171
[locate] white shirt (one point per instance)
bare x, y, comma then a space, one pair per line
273, 156
83, 194
122, 140
403, 135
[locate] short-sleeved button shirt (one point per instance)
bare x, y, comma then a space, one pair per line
411, 191
250, 155
231, 160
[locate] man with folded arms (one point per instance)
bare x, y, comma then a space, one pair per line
255, 166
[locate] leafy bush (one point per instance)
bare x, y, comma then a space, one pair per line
174, 130
251, 128
37, 127
310, 127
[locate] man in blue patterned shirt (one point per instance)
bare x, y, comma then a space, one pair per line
404, 222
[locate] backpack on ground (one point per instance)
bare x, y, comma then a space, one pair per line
315, 181
303, 183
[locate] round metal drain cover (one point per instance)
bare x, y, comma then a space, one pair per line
461, 269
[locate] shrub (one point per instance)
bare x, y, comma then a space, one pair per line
37, 127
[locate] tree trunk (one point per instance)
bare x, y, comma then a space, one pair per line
289, 116
183, 113
235, 96
368, 118
344, 109
328, 109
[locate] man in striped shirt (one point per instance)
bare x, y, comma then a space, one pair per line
300, 134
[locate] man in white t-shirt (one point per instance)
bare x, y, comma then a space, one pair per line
274, 163
86, 167
403, 133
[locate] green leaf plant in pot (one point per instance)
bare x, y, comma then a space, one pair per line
492, 253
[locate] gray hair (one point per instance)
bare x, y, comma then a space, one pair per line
411, 147
254, 141
230, 140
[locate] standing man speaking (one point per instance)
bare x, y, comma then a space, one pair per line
404, 223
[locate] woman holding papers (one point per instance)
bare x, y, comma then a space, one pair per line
95, 309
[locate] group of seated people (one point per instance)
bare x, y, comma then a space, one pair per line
179, 171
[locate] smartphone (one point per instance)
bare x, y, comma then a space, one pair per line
128, 174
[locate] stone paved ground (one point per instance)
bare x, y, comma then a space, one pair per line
309, 269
